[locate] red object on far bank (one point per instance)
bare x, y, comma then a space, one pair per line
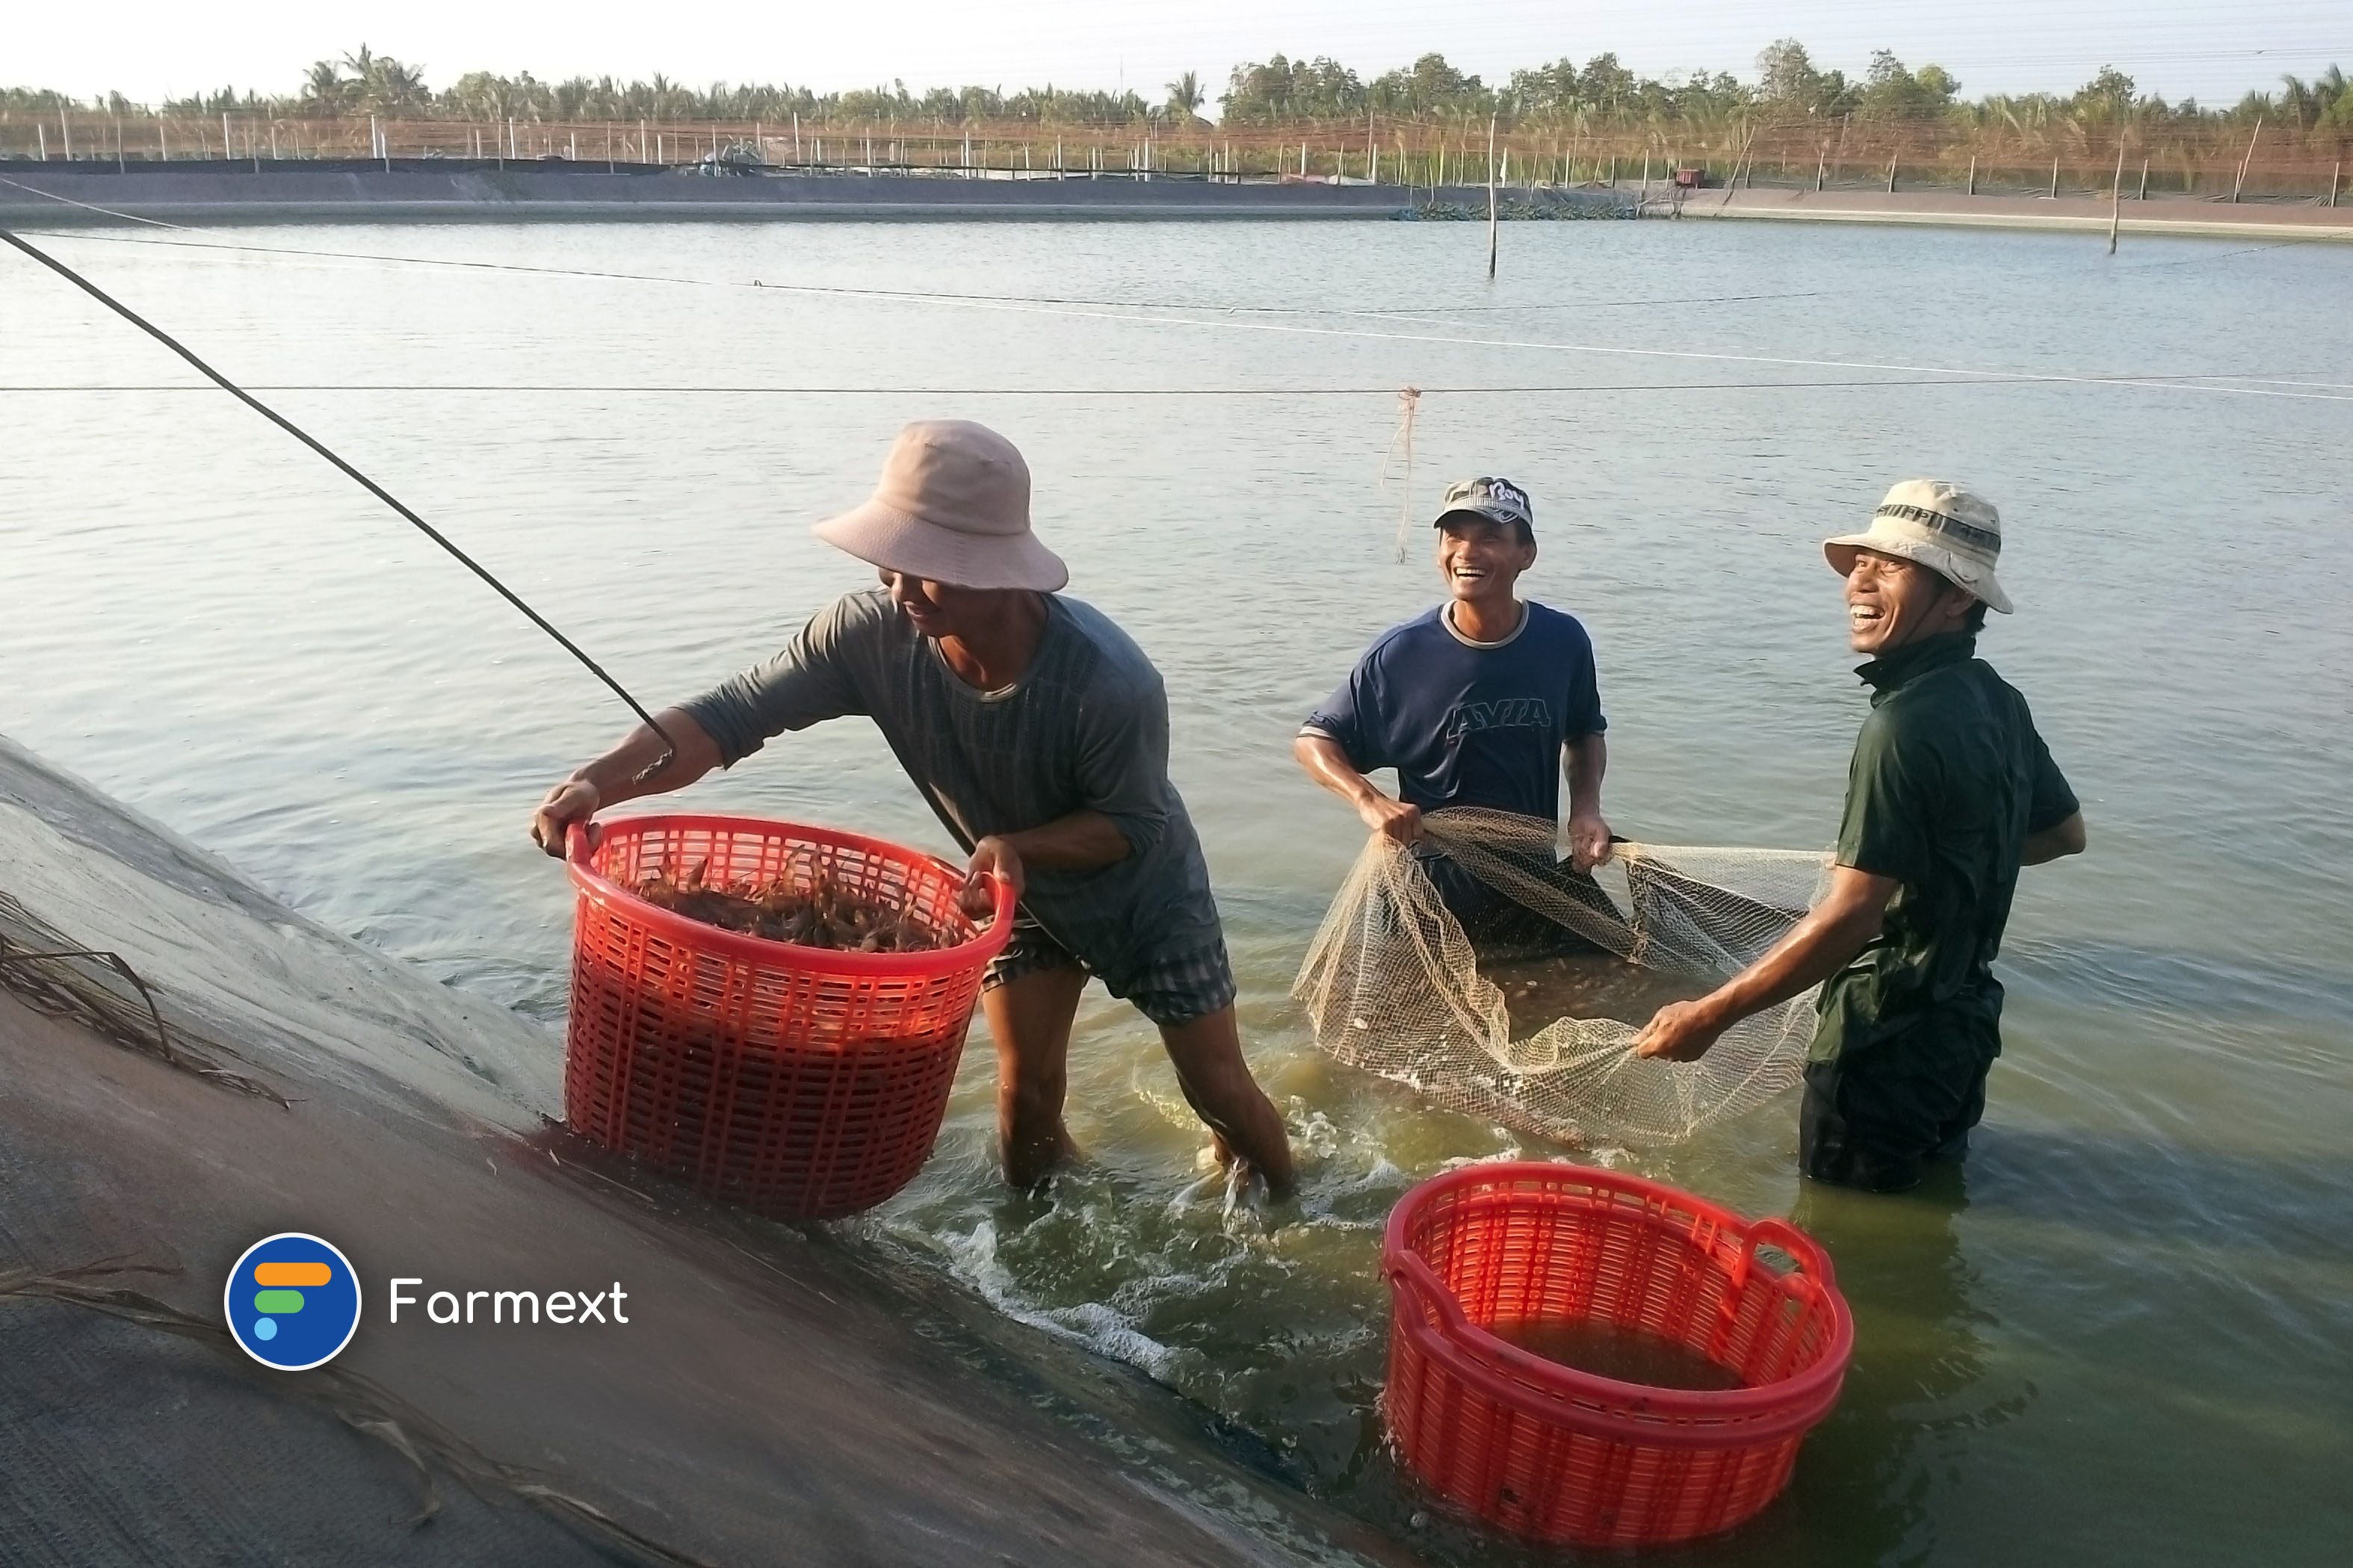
1556, 1453
802, 1082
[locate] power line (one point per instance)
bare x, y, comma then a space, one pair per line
704, 390
378, 490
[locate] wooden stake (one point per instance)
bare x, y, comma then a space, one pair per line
2116, 205
2335, 175
1491, 198
1891, 174
2144, 180
1821, 160
2242, 178
1973, 173
2054, 179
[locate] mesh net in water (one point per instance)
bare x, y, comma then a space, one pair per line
1479, 970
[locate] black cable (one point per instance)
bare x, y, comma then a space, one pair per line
669, 746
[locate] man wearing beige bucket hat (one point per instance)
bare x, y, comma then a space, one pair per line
1038, 732
1950, 792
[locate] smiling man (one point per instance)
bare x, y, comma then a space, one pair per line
1486, 701
1037, 731
1951, 791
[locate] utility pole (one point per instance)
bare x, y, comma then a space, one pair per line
2116, 203
1491, 198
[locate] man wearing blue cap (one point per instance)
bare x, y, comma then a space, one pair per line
1486, 701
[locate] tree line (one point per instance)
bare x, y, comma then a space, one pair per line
1601, 94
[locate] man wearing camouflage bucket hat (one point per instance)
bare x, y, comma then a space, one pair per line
1951, 791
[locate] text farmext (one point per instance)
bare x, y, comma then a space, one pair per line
561, 1307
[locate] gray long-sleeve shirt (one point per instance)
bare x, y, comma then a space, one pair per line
1084, 728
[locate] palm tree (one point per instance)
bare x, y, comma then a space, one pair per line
323, 87
1186, 96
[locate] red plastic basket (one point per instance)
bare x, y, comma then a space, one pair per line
1560, 1454
801, 1082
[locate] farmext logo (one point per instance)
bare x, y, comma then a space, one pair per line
292, 1302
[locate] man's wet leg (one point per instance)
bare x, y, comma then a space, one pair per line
1030, 1017
1217, 1081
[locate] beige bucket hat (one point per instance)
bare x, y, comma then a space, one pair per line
1941, 526
952, 506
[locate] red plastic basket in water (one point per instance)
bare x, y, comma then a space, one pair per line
1557, 1454
801, 1082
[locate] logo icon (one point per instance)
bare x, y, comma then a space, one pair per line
292, 1302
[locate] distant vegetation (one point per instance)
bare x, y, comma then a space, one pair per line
1791, 123
1601, 94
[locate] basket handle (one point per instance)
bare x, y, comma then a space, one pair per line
1409, 1269
581, 839
1001, 892
1808, 1252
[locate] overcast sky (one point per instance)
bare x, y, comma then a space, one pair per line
2214, 49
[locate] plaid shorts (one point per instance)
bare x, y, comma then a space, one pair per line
1170, 989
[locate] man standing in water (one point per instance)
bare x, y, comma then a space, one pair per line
1038, 734
1484, 701
1950, 792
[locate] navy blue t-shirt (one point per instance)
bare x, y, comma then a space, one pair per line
1469, 724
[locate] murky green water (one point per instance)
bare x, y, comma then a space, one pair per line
2122, 1339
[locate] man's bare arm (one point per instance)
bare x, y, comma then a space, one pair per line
1326, 762
1583, 762
1086, 840
1818, 946
613, 777
2065, 838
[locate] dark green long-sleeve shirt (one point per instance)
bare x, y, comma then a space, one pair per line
1948, 780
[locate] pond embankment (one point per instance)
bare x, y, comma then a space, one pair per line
439, 190
2188, 217
776, 1394
457, 191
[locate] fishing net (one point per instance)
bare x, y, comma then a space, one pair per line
1480, 971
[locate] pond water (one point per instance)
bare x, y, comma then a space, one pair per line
2121, 1337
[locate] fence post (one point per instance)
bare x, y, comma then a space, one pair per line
2144, 182
2241, 178
1891, 174
2335, 175
2054, 179
1973, 173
